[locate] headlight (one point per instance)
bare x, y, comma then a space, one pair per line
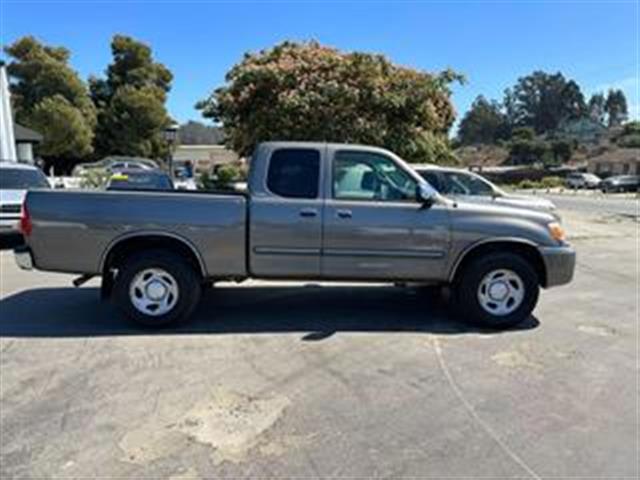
556, 231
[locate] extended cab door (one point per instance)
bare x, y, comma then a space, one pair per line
374, 227
285, 215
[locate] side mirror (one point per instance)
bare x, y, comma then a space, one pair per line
426, 194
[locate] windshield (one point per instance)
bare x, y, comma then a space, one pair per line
22, 179
460, 183
140, 181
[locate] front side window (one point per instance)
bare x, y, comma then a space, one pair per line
370, 176
459, 183
294, 173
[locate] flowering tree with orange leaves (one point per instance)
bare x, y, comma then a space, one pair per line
306, 91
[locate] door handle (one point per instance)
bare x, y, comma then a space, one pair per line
308, 212
344, 213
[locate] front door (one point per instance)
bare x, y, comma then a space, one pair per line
285, 217
374, 226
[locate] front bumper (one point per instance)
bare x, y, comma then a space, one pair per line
559, 262
23, 257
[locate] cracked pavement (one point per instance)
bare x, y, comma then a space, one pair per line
312, 380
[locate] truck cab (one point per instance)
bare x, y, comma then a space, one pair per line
342, 212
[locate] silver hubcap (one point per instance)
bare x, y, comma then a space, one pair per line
154, 292
501, 292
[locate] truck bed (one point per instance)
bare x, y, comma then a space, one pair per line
72, 230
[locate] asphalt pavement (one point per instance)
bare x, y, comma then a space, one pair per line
311, 380
595, 202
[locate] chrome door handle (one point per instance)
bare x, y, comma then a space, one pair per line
308, 212
344, 213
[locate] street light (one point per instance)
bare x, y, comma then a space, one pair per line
170, 135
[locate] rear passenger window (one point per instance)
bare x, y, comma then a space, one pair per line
294, 173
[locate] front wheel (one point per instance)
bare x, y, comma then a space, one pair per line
157, 288
498, 290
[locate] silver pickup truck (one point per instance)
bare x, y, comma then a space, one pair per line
313, 211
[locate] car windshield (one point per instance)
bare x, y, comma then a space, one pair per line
625, 178
140, 181
22, 179
460, 183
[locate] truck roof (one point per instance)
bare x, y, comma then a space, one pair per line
305, 144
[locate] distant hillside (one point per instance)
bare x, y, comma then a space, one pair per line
481, 155
197, 133
572, 146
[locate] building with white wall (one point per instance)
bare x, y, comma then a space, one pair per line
204, 157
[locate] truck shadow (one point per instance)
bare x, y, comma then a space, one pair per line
314, 311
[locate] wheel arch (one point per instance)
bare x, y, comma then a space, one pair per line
524, 248
125, 245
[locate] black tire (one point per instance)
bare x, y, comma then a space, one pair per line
465, 290
186, 278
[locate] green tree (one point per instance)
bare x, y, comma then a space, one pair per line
131, 101
596, 107
541, 101
616, 107
525, 152
306, 91
50, 97
483, 123
523, 133
630, 137
561, 151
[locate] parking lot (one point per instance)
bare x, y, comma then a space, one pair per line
308, 380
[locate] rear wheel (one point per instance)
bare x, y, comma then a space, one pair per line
157, 288
497, 290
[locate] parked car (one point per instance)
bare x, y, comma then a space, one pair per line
463, 184
621, 183
115, 163
131, 165
15, 180
137, 179
313, 211
582, 180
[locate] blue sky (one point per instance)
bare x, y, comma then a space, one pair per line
492, 43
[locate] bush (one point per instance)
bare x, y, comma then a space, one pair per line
205, 182
94, 178
523, 133
546, 182
631, 128
630, 141
223, 178
562, 151
526, 152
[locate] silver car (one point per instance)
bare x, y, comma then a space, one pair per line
471, 187
15, 180
582, 180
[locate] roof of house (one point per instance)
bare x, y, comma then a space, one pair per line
619, 155
26, 135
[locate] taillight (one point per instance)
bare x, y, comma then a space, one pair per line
25, 221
